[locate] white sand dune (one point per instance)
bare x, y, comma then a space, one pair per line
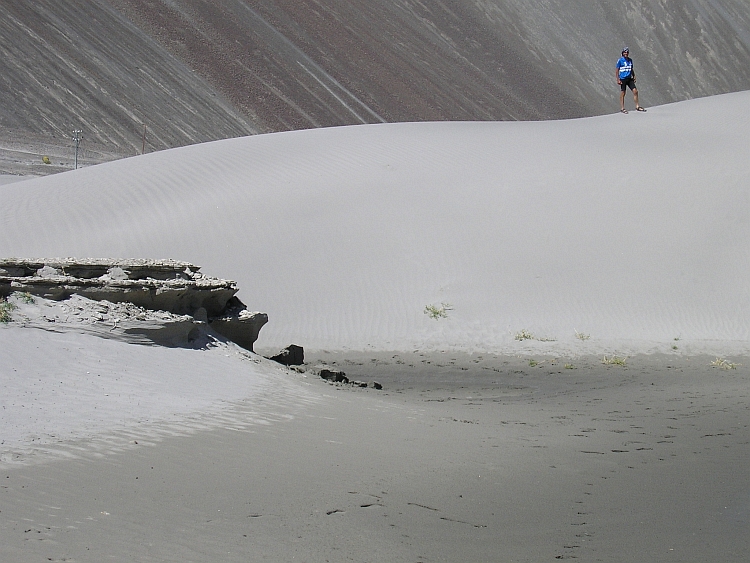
632, 229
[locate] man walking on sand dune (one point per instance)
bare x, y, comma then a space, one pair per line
625, 74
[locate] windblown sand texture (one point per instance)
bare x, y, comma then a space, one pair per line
501, 433
631, 229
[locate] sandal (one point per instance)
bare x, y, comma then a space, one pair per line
639, 108
623, 110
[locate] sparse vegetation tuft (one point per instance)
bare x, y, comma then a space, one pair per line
524, 335
613, 361
26, 297
5, 310
581, 335
569, 366
435, 312
724, 364
533, 363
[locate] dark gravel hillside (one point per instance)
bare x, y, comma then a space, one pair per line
199, 70
83, 65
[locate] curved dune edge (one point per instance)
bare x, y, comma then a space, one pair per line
616, 232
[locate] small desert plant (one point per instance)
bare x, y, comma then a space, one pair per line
533, 363
581, 335
613, 361
524, 335
569, 366
26, 297
435, 312
46, 160
5, 309
723, 364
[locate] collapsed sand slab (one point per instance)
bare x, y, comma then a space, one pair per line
186, 297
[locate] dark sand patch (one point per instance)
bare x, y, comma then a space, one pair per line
496, 462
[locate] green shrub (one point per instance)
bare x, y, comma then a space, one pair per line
724, 364
435, 312
613, 361
5, 309
524, 335
26, 297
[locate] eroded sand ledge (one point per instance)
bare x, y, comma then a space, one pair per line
167, 302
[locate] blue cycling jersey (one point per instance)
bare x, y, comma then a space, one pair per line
625, 67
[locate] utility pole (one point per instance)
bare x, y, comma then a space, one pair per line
77, 138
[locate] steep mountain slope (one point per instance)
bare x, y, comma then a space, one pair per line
194, 70
85, 66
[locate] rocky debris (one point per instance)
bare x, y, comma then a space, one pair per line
183, 298
292, 355
335, 376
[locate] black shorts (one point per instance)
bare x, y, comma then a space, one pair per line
625, 82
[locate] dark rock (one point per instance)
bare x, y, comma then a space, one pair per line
376, 385
333, 375
292, 355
